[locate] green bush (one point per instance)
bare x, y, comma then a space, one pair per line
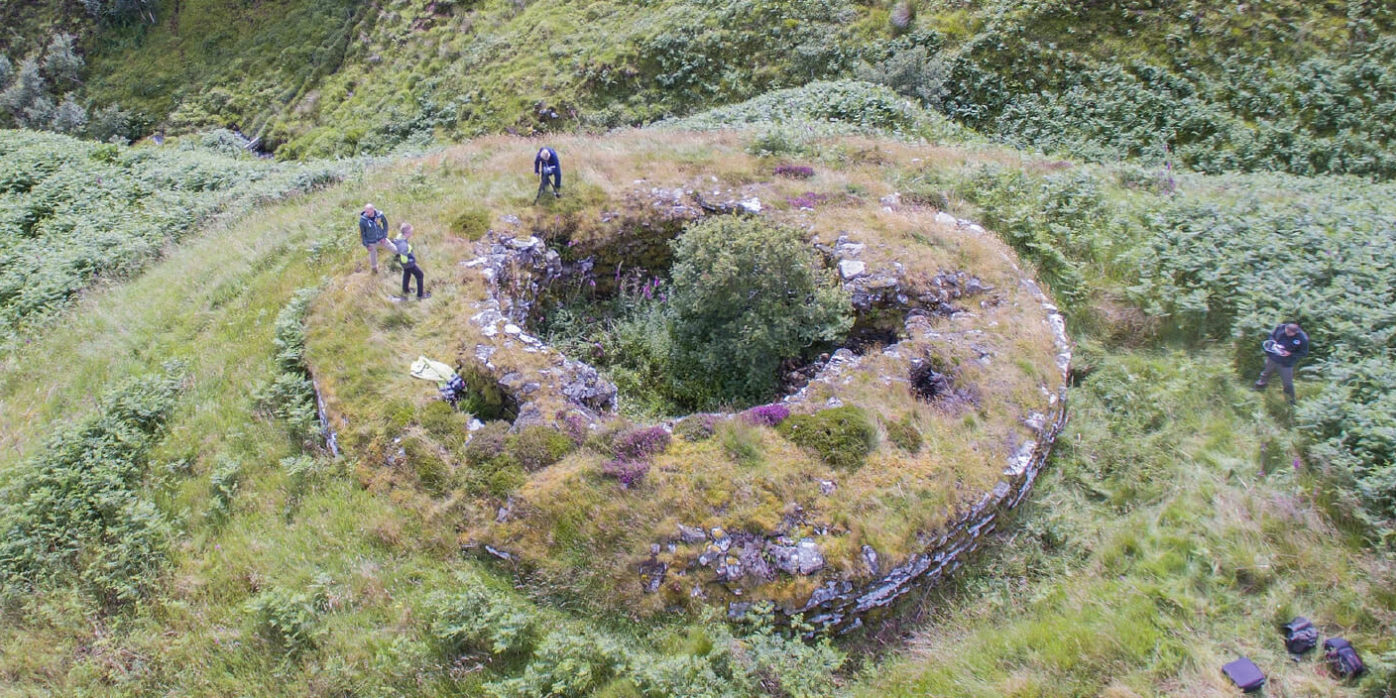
475, 619
446, 425
470, 222
568, 662
842, 436
223, 485
433, 474
289, 395
504, 481
536, 447
486, 443
904, 434
290, 621
747, 295
78, 513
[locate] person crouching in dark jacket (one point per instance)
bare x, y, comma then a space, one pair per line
1290, 345
546, 166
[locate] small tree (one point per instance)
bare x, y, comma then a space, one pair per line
121, 10
110, 122
746, 297
27, 87
62, 64
39, 114
7, 71
71, 117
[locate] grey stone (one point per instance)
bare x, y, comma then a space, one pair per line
721, 539
810, 558
738, 610
691, 535
652, 573
851, 269
870, 559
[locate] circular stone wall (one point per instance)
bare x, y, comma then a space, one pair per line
973, 366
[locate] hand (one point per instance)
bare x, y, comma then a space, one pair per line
1283, 352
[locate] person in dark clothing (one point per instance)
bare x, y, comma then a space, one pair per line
1287, 345
546, 166
373, 233
407, 257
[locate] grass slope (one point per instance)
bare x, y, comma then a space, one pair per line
1292, 85
77, 213
1177, 528
1171, 531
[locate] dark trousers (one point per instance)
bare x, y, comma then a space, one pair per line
549, 175
408, 272
1286, 376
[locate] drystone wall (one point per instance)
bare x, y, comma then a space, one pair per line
519, 269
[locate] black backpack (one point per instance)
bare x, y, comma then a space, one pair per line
1300, 635
1342, 658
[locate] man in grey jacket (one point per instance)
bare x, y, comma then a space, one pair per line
373, 233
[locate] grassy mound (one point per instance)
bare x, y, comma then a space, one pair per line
601, 508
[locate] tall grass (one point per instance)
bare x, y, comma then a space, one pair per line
1173, 532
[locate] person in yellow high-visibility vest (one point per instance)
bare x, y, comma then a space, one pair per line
406, 257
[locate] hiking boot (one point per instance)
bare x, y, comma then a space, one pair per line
1257, 386
424, 296
557, 195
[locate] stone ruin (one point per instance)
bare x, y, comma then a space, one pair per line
519, 269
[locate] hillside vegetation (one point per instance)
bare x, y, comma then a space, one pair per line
1180, 175
1173, 529
78, 212
1303, 87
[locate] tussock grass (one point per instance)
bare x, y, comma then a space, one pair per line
1156, 549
